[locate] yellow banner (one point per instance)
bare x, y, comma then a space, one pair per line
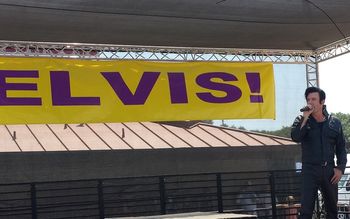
47, 90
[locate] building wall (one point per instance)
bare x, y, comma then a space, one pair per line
59, 166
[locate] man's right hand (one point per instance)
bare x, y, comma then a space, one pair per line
306, 115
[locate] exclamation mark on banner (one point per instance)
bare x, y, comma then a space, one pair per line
253, 79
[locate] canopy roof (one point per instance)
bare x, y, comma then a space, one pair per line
262, 24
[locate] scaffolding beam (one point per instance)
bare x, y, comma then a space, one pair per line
333, 50
119, 52
128, 52
312, 75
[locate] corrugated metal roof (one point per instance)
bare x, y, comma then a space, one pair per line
132, 135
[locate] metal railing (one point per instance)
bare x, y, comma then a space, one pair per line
270, 194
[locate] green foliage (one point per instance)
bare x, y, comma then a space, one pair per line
283, 132
343, 117
224, 125
234, 127
207, 121
345, 121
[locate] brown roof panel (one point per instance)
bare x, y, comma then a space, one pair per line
223, 136
128, 136
111, 138
147, 135
285, 142
24, 138
7, 144
69, 139
166, 135
186, 136
133, 135
89, 137
243, 137
263, 139
47, 139
207, 137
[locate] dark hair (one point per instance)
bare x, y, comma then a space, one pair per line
320, 92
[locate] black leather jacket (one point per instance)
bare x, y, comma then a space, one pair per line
320, 141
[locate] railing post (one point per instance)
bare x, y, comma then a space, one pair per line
273, 195
33, 198
101, 207
162, 197
219, 192
318, 207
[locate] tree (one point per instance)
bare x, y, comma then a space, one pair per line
345, 121
283, 132
207, 121
343, 117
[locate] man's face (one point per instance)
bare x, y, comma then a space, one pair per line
313, 99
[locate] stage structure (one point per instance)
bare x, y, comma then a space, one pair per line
310, 58
279, 31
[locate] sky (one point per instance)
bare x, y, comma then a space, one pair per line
334, 75
290, 83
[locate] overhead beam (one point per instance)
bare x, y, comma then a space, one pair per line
131, 52
333, 50
122, 52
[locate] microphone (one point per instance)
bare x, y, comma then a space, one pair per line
305, 108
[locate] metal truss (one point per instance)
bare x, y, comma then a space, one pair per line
117, 52
120, 52
312, 77
333, 50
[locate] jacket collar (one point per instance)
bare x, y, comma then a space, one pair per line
325, 112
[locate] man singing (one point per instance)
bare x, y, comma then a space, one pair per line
321, 136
